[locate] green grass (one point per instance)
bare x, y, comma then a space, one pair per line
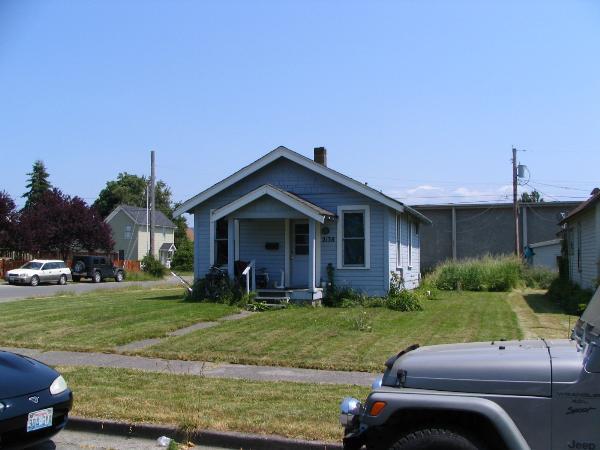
296, 410
101, 320
346, 338
141, 276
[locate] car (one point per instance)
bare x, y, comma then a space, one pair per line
40, 271
34, 401
530, 394
97, 268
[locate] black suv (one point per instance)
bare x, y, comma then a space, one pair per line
95, 267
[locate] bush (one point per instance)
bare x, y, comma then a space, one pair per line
401, 299
570, 297
538, 277
183, 259
152, 266
484, 274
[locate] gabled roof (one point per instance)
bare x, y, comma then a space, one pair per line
283, 152
583, 206
138, 216
168, 247
293, 201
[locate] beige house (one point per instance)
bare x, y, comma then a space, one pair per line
129, 226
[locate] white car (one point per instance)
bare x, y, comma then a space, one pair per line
40, 271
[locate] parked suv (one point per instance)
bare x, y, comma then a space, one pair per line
97, 268
40, 271
531, 394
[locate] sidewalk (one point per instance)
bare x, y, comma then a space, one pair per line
197, 368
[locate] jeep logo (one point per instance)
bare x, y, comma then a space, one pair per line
582, 445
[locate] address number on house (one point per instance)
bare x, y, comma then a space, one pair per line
328, 239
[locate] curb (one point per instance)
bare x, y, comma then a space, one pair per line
226, 439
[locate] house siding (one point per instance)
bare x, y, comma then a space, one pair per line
323, 192
254, 234
585, 275
162, 235
117, 226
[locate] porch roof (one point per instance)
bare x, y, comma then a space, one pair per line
293, 201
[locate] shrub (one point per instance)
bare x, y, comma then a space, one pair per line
153, 266
184, 257
571, 298
484, 274
538, 277
401, 299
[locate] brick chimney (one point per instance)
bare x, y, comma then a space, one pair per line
321, 156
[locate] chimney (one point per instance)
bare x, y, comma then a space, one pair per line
321, 156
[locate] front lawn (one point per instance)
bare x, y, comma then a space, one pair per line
346, 339
295, 410
100, 320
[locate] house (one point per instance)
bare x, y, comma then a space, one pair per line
582, 227
473, 230
293, 217
129, 226
546, 254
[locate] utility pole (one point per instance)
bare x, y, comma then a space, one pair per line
152, 201
516, 202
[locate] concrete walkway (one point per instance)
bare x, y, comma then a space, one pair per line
196, 368
145, 343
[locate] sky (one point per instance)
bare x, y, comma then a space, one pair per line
421, 99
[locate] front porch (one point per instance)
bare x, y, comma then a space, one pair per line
271, 238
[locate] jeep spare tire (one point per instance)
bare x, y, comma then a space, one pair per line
79, 267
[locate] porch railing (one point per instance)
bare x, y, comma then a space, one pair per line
250, 268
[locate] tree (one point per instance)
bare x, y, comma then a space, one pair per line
531, 197
38, 184
184, 256
9, 218
62, 224
130, 189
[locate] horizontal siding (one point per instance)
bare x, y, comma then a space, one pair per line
586, 275
322, 192
254, 234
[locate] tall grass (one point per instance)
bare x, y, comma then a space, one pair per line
498, 273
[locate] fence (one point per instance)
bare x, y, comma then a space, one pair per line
129, 265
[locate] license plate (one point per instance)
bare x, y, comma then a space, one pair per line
39, 419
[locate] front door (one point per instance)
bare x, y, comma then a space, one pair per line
299, 254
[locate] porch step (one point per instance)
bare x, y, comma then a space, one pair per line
273, 296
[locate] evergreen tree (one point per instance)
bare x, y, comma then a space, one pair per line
38, 184
531, 197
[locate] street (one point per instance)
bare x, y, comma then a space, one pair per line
77, 440
14, 292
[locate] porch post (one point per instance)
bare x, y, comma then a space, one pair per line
230, 247
312, 253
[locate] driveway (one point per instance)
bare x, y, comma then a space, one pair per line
9, 293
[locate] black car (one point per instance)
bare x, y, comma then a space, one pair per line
98, 268
34, 401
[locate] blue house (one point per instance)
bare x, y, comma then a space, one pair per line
283, 219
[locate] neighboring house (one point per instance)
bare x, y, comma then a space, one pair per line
474, 230
546, 254
294, 216
583, 242
129, 226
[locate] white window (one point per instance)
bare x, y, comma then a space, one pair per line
221, 242
353, 242
410, 243
398, 240
579, 246
128, 232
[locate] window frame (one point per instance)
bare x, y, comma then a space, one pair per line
366, 211
128, 233
217, 239
410, 243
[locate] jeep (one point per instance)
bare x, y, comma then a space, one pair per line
531, 394
98, 268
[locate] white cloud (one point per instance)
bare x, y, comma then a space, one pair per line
424, 187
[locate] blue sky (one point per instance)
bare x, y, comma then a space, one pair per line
423, 99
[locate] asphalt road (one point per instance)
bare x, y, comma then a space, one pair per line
76, 440
16, 292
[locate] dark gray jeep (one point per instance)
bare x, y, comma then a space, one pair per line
98, 268
532, 394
